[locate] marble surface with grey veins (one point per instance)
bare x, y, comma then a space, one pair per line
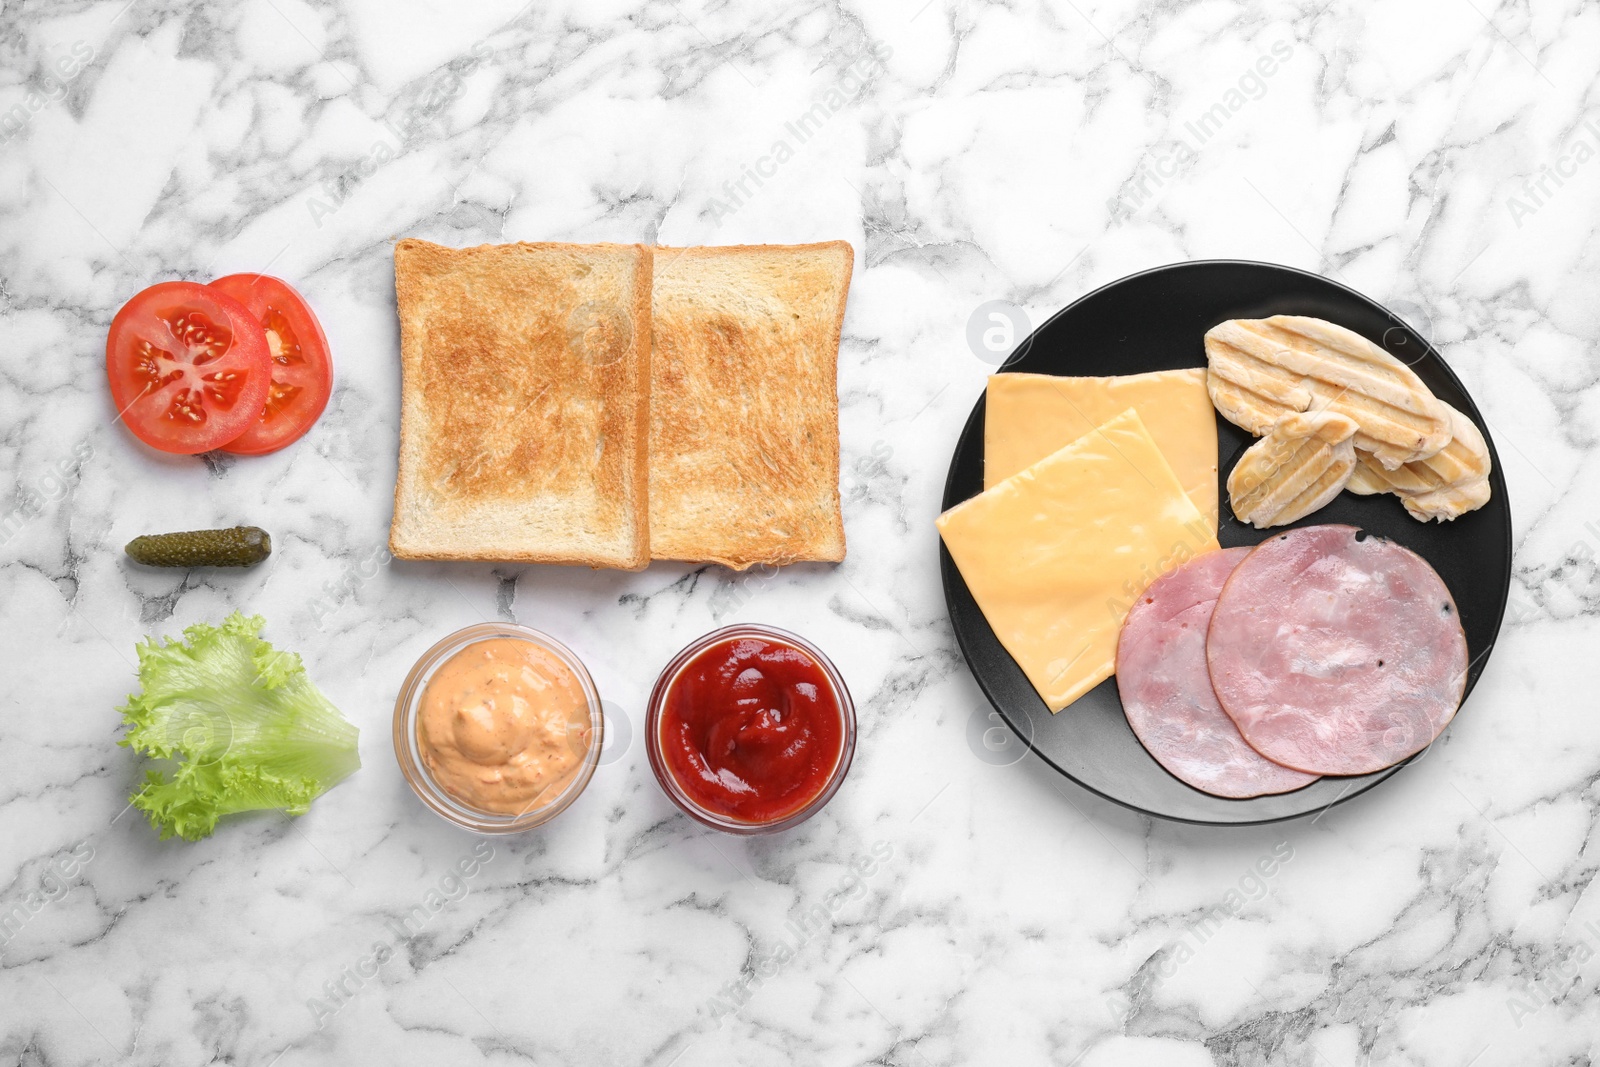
957, 902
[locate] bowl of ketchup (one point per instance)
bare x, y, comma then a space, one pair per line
750, 729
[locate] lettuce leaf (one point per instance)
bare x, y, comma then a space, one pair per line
235, 725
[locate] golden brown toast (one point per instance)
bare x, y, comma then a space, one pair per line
524, 414
744, 418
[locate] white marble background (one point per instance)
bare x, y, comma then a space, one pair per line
1446, 918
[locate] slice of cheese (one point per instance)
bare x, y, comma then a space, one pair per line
1029, 416
1056, 555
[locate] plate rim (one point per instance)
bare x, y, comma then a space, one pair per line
948, 570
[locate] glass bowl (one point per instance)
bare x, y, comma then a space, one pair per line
408, 705
716, 820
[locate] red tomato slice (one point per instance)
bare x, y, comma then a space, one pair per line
302, 367
188, 366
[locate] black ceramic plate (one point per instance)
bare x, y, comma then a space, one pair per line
1157, 321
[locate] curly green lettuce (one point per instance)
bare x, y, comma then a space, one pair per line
236, 725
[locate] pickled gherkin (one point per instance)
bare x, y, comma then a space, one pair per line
237, 546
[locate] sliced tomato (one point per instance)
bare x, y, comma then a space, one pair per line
188, 366
302, 367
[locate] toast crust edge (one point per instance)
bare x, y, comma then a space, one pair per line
835, 546
641, 304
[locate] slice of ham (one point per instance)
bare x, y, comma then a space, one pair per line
1166, 688
1335, 652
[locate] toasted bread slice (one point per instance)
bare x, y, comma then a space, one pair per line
744, 414
524, 413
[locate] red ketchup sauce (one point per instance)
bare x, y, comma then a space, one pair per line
751, 729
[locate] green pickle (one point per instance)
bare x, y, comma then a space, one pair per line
237, 546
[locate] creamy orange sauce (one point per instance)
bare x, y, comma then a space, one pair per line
504, 726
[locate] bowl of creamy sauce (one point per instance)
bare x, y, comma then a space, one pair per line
498, 728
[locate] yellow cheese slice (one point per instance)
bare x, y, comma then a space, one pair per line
1029, 416
1056, 555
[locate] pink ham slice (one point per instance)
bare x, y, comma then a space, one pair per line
1335, 652
1166, 689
